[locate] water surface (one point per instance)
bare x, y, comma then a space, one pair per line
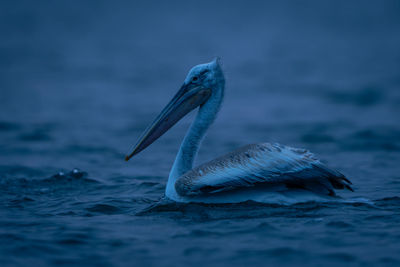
80, 81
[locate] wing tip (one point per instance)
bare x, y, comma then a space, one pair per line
340, 182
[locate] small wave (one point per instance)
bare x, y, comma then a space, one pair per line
388, 201
150, 187
394, 198
73, 238
167, 205
245, 210
339, 224
34, 186
104, 209
279, 252
74, 175
358, 201
340, 256
70, 241
18, 201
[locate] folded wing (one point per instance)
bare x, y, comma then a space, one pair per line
262, 164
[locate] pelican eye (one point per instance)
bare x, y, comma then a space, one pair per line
195, 78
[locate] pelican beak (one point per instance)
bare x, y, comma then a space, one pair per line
187, 99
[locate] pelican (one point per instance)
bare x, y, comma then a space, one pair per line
261, 172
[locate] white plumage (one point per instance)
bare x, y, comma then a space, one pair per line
261, 172
259, 165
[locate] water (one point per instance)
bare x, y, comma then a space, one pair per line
79, 82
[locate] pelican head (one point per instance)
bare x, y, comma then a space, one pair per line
202, 82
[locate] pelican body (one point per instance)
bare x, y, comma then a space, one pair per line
269, 173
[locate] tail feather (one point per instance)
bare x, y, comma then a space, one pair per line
319, 179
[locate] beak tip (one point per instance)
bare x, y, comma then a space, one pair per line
127, 157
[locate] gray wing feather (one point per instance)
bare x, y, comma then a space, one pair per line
258, 165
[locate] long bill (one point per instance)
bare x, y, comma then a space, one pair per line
181, 104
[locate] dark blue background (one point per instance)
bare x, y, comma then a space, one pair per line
80, 80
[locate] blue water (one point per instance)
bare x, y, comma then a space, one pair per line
80, 81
